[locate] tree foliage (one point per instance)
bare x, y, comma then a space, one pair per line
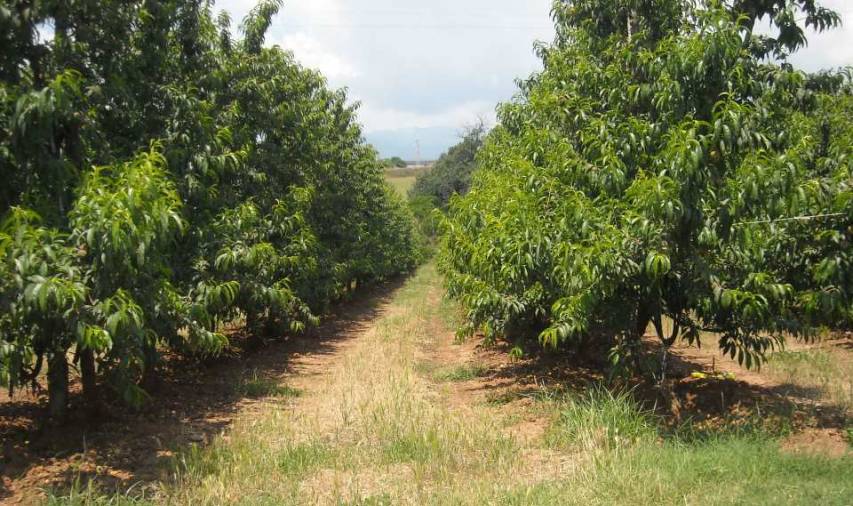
451, 174
163, 177
660, 171
395, 162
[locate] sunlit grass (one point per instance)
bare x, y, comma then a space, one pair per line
402, 184
634, 460
728, 470
466, 372
257, 386
819, 369
373, 421
600, 419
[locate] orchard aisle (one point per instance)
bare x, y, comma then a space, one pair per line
386, 408
371, 423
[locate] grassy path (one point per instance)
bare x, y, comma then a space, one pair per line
370, 426
394, 413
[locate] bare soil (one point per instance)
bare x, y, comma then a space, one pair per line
711, 403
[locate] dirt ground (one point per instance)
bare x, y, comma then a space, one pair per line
744, 396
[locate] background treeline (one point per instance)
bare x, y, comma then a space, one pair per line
667, 168
394, 162
161, 177
450, 175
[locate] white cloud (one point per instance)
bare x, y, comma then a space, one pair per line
311, 53
443, 63
411, 64
830, 49
380, 118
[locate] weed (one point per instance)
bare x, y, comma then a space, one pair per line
298, 459
602, 419
501, 398
257, 387
93, 495
419, 447
737, 470
376, 500
465, 372
195, 463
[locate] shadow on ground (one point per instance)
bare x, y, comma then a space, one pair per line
711, 404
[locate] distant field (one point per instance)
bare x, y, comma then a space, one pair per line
403, 179
402, 184
411, 171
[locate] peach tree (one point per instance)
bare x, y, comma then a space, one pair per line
660, 174
164, 177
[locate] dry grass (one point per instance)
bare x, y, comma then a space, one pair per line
369, 428
824, 371
402, 184
402, 180
413, 171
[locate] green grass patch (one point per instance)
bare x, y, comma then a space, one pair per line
194, 462
300, 459
729, 470
451, 313
258, 387
635, 461
402, 185
601, 419
715, 472
420, 447
465, 372
92, 495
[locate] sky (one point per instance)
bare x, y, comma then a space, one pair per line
424, 70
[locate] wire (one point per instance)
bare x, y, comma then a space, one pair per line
421, 26
436, 26
795, 218
420, 11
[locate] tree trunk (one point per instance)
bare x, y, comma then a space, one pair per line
643, 319
57, 387
89, 378
149, 373
253, 326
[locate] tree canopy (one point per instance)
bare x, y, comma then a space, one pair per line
395, 162
162, 177
660, 171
